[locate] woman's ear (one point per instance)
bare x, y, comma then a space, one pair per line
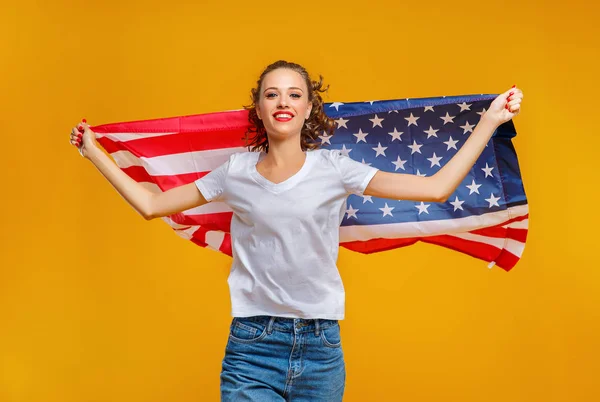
308, 111
258, 112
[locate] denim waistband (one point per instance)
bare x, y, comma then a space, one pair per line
287, 324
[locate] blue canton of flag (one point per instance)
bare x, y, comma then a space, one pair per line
419, 136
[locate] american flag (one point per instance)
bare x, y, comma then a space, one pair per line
486, 217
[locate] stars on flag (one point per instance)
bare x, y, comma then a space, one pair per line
435, 160
473, 187
451, 143
351, 212
412, 119
360, 136
380, 150
345, 151
463, 106
493, 200
422, 207
428, 147
325, 138
336, 105
376, 121
448, 119
396, 134
468, 128
431, 132
387, 210
487, 170
341, 122
457, 204
399, 163
415, 147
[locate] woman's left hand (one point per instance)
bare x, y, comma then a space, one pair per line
506, 106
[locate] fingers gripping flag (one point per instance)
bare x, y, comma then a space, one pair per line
486, 217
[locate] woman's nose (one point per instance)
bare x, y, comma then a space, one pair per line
282, 101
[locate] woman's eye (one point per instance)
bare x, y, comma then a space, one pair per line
297, 96
271, 95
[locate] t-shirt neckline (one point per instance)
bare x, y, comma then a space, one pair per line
284, 185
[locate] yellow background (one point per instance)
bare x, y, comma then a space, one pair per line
97, 304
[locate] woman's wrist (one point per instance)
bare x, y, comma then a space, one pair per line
492, 123
93, 153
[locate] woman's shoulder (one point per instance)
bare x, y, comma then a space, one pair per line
328, 156
325, 154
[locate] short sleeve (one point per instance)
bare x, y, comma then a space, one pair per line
355, 175
212, 185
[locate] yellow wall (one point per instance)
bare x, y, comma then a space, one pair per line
97, 304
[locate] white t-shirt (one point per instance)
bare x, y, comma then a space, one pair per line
285, 236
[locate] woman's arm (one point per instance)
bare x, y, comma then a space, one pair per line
441, 185
148, 204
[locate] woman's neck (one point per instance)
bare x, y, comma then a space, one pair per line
283, 154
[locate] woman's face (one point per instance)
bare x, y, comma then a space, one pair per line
283, 103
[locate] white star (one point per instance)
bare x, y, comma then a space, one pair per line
396, 134
360, 136
464, 106
336, 105
363, 161
392, 111
451, 143
412, 120
473, 188
488, 170
399, 164
376, 121
345, 151
325, 138
367, 198
422, 208
482, 112
435, 160
457, 204
380, 150
428, 108
431, 132
341, 122
387, 210
468, 128
493, 200
448, 118
415, 147
351, 212
371, 102
420, 174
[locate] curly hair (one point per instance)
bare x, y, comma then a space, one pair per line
256, 135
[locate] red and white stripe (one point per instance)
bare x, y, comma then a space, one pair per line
166, 153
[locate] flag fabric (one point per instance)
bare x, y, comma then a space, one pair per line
486, 217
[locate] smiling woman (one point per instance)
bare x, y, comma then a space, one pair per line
298, 94
288, 199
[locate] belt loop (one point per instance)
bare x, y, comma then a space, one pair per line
317, 327
270, 325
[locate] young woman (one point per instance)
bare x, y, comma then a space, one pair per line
288, 200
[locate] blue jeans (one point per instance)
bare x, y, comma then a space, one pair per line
283, 359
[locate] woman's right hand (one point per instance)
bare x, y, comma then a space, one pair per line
84, 139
